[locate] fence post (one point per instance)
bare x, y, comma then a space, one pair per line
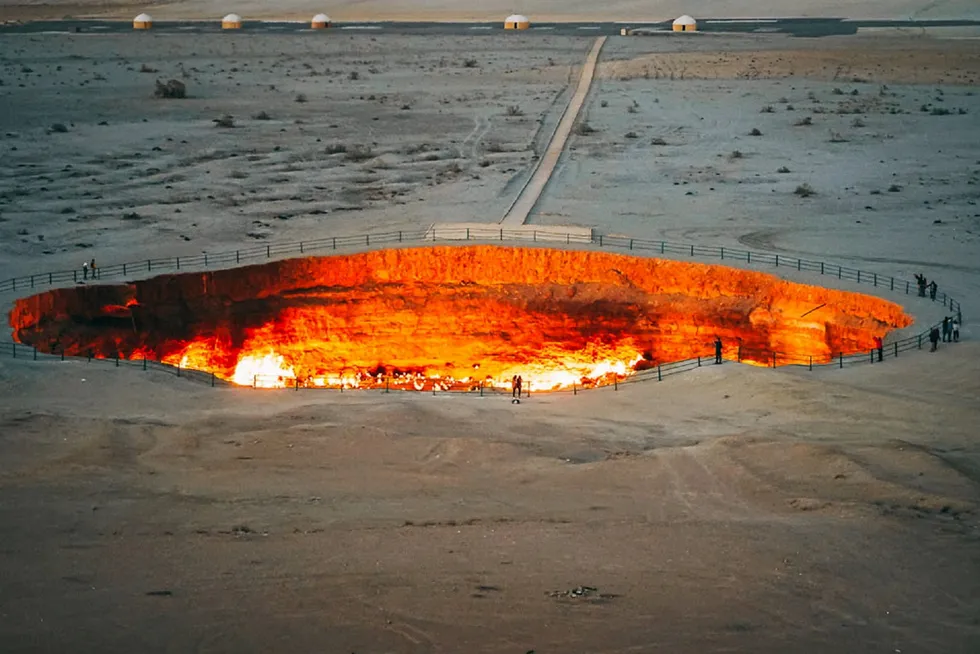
892, 287
774, 360
692, 249
268, 251
660, 377
920, 341
777, 261
631, 244
255, 379
386, 385
117, 360
35, 353
821, 267
600, 240
367, 238
872, 353
50, 278
615, 384
501, 233
178, 369
62, 354
467, 233
748, 257
296, 382
205, 263
481, 388
74, 275
144, 359
841, 358
534, 236
799, 264
399, 236
149, 265
238, 257
178, 263
212, 380
875, 278
896, 349
574, 389
334, 242
722, 252
300, 250
699, 361
811, 362
859, 277
907, 284
661, 247
840, 272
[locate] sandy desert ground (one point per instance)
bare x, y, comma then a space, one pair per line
494, 10
726, 509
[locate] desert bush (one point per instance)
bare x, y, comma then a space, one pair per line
57, 128
632, 135
940, 111
658, 141
783, 100
146, 69
837, 91
857, 122
470, 63
514, 110
225, 121
837, 137
633, 108
803, 122
604, 103
783, 170
262, 115
354, 76
172, 89
736, 154
584, 128
894, 188
359, 152
804, 191
755, 132
300, 97
335, 148
768, 109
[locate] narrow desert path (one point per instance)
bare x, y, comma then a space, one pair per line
522, 206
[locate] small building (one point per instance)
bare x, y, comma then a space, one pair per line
685, 24
320, 21
231, 22
142, 22
517, 22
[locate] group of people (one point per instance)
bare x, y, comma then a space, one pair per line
925, 285
949, 332
88, 266
516, 383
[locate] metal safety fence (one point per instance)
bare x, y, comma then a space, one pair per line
455, 235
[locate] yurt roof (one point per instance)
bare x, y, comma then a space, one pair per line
232, 18
143, 18
321, 18
685, 20
517, 18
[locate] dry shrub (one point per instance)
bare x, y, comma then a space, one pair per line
172, 89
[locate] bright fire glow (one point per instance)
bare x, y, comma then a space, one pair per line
453, 318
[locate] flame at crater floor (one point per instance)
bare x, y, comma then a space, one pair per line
452, 317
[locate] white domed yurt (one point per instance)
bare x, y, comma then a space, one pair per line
320, 21
231, 22
685, 24
142, 22
516, 22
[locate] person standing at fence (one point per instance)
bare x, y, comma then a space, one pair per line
516, 384
955, 326
85, 270
718, 347
920, 280
933, 287
91, 265
934, 338
880, 347
947, 329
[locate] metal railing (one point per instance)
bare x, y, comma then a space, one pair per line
449, 234
490, 234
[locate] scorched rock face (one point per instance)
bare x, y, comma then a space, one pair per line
451, 317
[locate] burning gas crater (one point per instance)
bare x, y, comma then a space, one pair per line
451, 318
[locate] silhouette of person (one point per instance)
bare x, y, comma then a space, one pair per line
955, 326
92, 266
880, 346
85, 270
933, 287
934, 338
516, 384
947, 330
921, 281
717, 349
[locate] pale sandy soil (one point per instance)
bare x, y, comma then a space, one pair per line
727, 509
540, 10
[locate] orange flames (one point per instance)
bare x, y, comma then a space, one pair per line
452, 318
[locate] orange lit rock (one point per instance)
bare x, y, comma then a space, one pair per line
441, 315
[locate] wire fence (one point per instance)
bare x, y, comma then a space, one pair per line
450, 234
147, 267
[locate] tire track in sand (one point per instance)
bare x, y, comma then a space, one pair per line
528, 197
